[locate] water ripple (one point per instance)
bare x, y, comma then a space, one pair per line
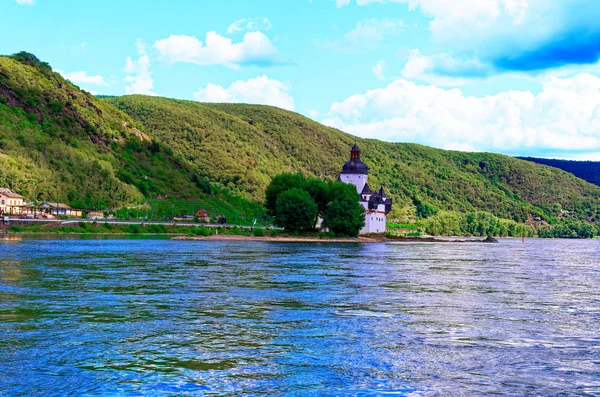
155, 318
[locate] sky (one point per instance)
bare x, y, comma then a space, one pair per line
519, 77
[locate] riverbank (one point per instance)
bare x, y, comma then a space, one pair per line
363, 240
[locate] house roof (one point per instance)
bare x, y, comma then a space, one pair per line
366, 189
55, 205
355, 166
8, 193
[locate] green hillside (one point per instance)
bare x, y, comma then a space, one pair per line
243, 146
60, 143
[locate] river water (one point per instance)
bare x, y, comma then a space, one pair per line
158, 318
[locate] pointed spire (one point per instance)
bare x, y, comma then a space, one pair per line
366, 190
382, 193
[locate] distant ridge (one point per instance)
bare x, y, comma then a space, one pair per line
586, 170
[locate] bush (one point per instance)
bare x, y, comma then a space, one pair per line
274, 233
202, 231
133, 229
258, 232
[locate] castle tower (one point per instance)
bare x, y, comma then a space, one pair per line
376, 204
355, 171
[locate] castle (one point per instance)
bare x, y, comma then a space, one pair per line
377, 205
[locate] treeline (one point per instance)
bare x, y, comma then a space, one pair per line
298, 204
572, 229
482, 224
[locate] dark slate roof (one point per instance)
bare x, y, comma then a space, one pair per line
355, 148
382, 193
355, 166
366, 189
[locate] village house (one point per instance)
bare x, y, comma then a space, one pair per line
377, 205
202, 215
60, 209
95, 215
10, 203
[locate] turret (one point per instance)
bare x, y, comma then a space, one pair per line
355, 152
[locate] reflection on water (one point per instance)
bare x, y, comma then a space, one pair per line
206, 318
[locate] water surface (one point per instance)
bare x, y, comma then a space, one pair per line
154, 318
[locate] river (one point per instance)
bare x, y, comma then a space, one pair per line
158, 318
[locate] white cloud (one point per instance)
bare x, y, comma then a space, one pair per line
443, 69
378, 70
374, 29
249, 25
512, 35
563, 118
26, 2
138, 72
259, 90
255, 49
83, 78
368, 33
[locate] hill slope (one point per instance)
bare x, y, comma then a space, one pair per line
59, 143
62, 144
587, 170
243, 146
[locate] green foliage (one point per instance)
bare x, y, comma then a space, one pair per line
573, 229
344, 216
133, 229
273, 233
258, 232
296, 210
202, 231
281, 183
481, 224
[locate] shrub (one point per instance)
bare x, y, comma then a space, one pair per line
258, 232
274, 233
202, 231
133, 229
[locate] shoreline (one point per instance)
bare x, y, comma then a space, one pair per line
356, 240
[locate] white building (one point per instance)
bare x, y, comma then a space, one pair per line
10, 203
377, 205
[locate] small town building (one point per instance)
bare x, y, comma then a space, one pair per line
11, 203
95, 215
184, 218
202, 215
377, 205
60, 209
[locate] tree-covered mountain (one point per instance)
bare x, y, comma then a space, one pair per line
586, 170
58, 142
243, 146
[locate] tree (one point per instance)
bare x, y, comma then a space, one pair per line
344, 214
319, 192
278, 185
295, 210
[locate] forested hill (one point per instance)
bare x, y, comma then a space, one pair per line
586, 170
60, 143
243, 146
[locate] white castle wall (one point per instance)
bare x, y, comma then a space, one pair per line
375, 221
357, 180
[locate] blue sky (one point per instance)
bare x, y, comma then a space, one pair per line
519, 77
